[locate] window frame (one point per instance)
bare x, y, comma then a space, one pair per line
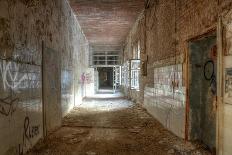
135, 72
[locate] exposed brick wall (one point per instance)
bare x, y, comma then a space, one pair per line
157, 42
169, 26
194, 18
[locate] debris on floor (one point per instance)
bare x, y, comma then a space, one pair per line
123, 129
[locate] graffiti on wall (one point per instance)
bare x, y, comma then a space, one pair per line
10, 75
8, 105
29, 132
168, 90
20, 85
209, 75
86, 78
166, 101
14, 76
168, 80
14, 79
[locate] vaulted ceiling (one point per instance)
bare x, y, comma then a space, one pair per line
107, 22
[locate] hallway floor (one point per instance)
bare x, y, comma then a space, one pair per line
113, 127
107, 93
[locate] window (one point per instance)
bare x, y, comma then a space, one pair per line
135, 73
109, 58
116, 77
135, 67
125, 74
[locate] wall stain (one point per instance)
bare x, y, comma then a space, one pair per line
6, 44
30, 3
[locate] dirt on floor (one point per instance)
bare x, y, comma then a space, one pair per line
113, 127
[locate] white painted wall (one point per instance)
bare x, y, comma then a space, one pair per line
166, 106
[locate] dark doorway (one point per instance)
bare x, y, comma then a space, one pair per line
203, 56
105, 78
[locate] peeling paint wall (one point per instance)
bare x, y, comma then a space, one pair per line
24, 25
166, 101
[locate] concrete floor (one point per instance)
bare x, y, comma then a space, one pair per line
107, 93
113, 127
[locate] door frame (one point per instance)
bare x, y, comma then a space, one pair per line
221, 27
210, 32
220, 106
218, 30
220, 84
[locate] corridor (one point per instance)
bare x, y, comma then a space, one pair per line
113, 127
115, 77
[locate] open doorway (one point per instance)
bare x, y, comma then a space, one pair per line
202, 88
109, 80
105, 78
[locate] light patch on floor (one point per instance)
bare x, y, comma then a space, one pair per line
107, 93
93, 105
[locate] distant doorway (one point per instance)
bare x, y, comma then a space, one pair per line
105, 78
203, 88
